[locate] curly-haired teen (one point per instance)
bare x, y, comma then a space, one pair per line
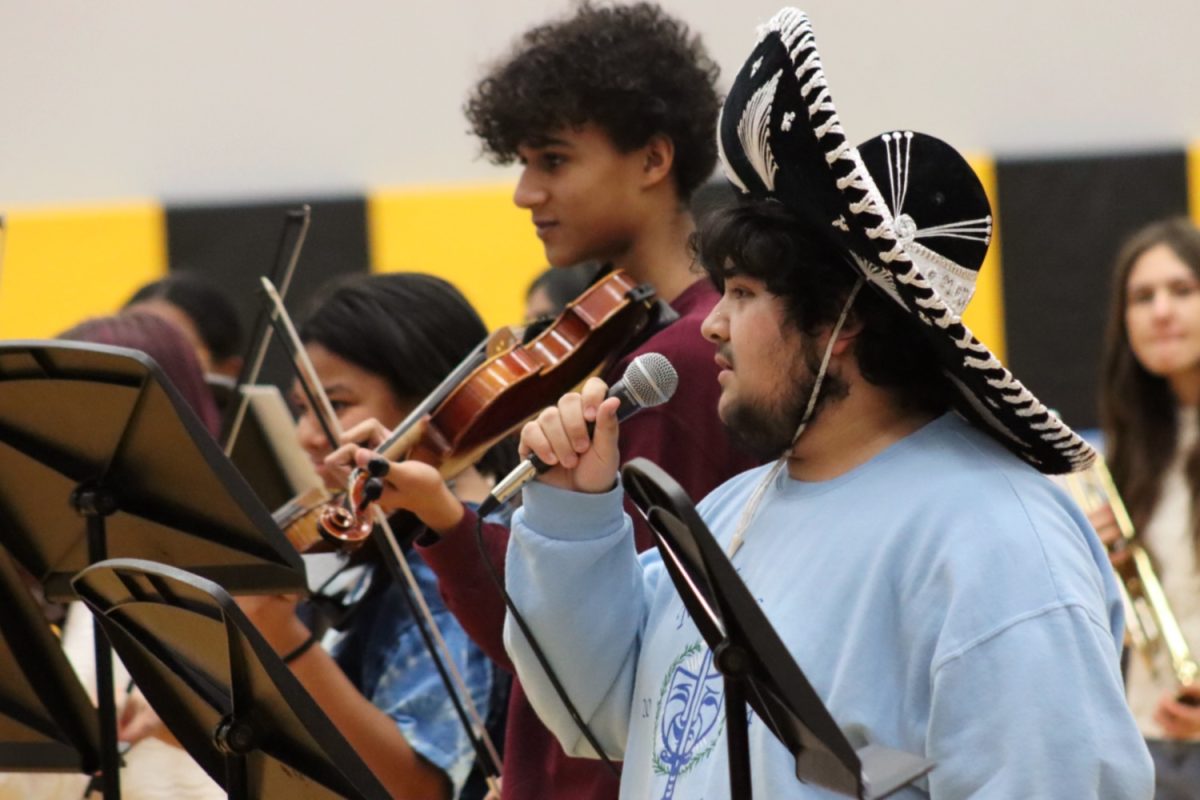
632, 71
611, 113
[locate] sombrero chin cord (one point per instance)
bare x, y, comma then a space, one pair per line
739, 534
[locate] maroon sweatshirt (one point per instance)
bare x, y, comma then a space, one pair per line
683, 436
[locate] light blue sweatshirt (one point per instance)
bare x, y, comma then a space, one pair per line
943, 599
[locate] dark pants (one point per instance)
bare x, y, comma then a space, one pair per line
1176, 769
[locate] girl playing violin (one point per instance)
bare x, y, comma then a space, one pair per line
379, 344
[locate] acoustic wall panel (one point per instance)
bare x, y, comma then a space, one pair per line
1193, 161
473, 237
985, 313
235, 244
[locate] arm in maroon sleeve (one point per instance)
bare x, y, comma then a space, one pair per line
466, 585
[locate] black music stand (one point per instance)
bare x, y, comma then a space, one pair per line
47, 723
757, 666
100, 457
219, 687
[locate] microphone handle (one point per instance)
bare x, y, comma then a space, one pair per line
533, 466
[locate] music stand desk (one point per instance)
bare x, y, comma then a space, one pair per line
219, 687
47, 722
79, 417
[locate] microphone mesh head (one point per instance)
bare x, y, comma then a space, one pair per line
650, 379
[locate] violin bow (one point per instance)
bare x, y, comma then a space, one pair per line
467, 711
287, 254
306, 373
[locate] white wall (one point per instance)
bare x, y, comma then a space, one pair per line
210, 99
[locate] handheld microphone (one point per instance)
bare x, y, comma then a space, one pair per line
649, 380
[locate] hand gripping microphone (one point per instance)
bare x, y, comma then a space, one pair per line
649, 380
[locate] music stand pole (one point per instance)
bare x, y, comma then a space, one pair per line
95, 503
234, 739
730, 661
757, 666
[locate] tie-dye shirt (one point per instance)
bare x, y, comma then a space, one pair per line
383, 654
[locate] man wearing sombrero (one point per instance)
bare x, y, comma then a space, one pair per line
943, 597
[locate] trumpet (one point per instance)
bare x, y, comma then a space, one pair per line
1151, 627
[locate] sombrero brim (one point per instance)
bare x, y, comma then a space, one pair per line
780, 136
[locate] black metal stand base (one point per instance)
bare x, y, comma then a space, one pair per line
96, 503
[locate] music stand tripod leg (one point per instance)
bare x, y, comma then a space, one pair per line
95, 504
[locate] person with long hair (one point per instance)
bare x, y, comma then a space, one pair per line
1150, 412
152, 770
379, 344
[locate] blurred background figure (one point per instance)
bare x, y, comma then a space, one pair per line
205, 315
160, 338
153, 769
1150, 408
555, 287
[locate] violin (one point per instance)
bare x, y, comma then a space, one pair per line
300, 518
472, 412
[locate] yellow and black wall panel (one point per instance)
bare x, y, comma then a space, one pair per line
233, 245
1062, 221
1041, 302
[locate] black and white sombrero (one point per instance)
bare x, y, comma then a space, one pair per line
921, 243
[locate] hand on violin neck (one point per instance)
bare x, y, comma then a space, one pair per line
578, 438
369, 433
413, 486
365, 436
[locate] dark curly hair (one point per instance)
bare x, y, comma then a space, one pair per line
763, 240
633, 70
